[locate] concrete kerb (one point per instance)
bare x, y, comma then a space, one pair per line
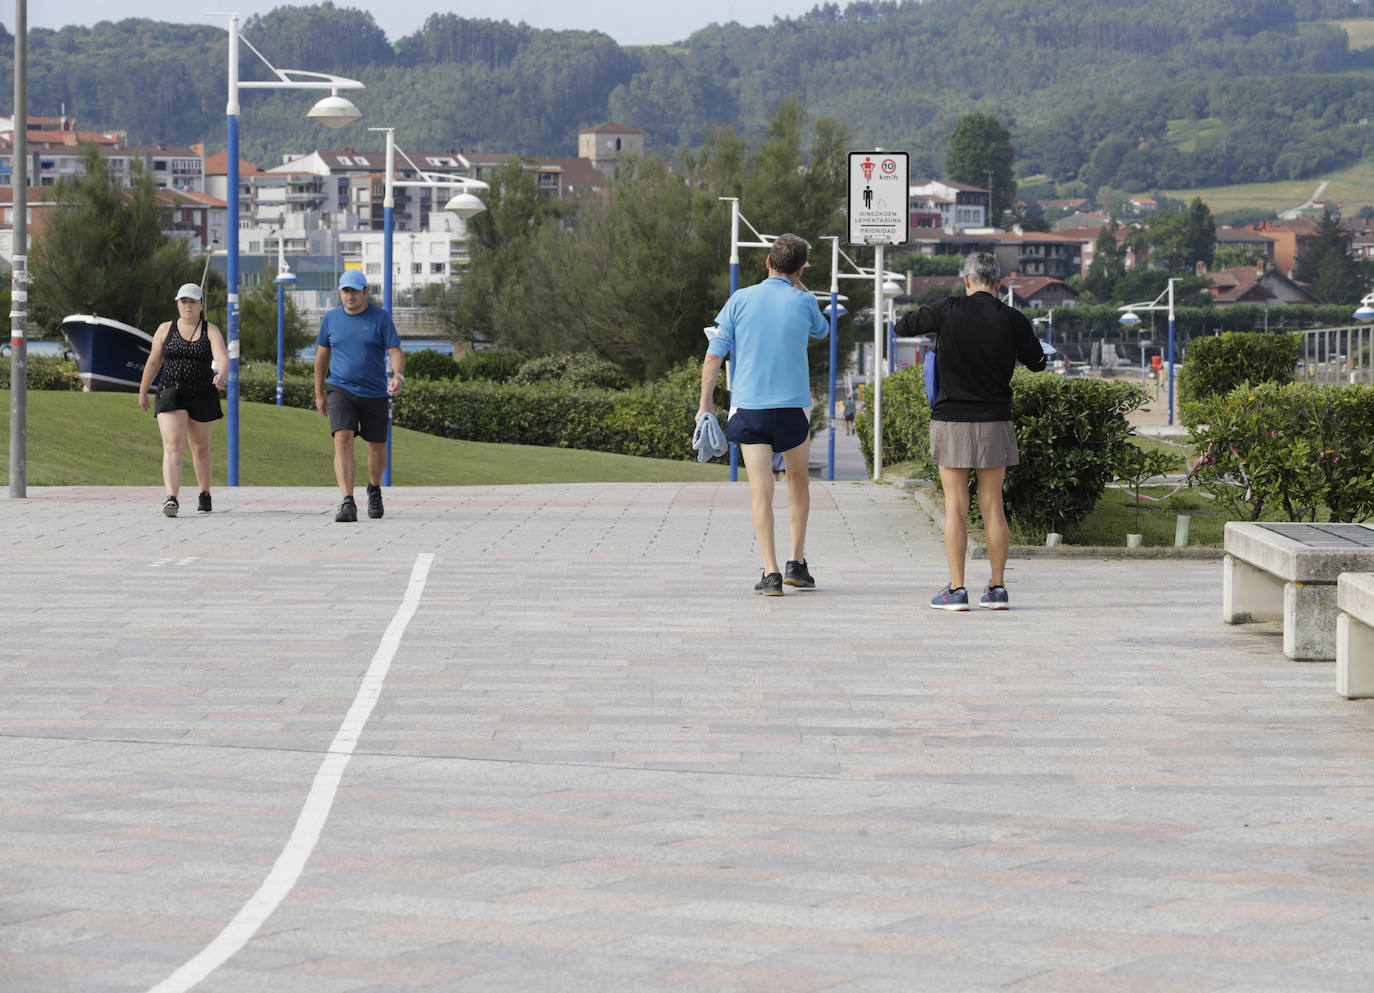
922, 493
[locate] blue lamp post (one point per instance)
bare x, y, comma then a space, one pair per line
333, 111
1129, 318
284, 279
464, 204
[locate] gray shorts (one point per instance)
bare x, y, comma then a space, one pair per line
973, 444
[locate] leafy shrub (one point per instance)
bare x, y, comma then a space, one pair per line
1071, 432
1218, 364
44, 373
430, 364
496, 365
1296, 448
580, 371
258, 384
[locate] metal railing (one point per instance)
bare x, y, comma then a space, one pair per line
1337, 356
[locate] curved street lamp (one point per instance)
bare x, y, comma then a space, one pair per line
1129, 318
333, 111
1365, 312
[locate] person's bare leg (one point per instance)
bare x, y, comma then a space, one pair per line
798, 467
376, 462
955, 484
343, 461
995, 530
758, 463
202, 455
172, 427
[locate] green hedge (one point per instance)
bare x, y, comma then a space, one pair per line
1218, 364
655, 420
1294, 448
1070, 430
43, 373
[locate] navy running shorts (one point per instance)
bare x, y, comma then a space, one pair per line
784, 428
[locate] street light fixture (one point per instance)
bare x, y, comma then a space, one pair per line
891, 290
285, 278
464, 204
333, 111
1365, 312
1129, 318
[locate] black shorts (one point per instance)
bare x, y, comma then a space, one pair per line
364, 416
784, 428
200, 405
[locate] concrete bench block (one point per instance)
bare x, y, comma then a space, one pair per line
1355, 635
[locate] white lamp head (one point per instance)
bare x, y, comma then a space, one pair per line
335, 111
465, 205
1130, 319
1365, 313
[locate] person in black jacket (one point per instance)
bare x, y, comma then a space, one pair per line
978, 341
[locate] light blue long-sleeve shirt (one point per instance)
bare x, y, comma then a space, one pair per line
767, 326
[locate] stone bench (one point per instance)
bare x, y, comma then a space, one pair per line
1288, 573
1355, 635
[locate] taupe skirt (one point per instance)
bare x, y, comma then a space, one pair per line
973, 444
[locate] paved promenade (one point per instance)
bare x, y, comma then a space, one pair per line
545, 739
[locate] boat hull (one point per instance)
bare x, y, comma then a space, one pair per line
109, 355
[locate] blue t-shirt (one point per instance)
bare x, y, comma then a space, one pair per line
357, 346
767, 326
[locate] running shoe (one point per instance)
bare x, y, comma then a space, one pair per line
348, 511
995, 598
948, 599
170, 506
203, 506
770, 584
374, 501
798, 575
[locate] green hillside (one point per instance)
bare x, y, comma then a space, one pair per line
1157, 94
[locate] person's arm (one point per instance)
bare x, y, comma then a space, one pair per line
1028, 350
151, 366
398, 369
221, 355
710, 370
321, 371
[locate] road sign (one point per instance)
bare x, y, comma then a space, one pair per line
879, 194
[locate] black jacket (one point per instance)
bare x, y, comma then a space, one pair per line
979, 340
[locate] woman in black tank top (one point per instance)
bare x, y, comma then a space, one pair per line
188, 395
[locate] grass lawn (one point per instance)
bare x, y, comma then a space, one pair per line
103, 439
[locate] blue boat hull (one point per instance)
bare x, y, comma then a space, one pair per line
109, 355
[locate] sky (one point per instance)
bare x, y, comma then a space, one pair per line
629, 22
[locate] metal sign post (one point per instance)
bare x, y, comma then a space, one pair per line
879, 215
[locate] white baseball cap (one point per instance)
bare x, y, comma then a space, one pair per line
190, 290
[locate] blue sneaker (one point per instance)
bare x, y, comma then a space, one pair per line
948, 599
994, 598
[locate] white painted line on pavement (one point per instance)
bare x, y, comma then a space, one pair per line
291, 862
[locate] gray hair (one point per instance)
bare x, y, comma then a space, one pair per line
789, 253
981, 268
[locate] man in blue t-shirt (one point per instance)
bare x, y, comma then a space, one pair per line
768, 327
354, 342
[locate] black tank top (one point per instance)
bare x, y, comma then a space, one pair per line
186, 364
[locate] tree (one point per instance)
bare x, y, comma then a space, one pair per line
103, 251
980, 150
1177, 241
1108, 265
1325, 264
258, 321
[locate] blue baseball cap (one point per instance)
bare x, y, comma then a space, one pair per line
353, 280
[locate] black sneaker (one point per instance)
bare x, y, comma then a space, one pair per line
374, 501
204, 504
799, 575
770, 584
348, 511
170, 506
